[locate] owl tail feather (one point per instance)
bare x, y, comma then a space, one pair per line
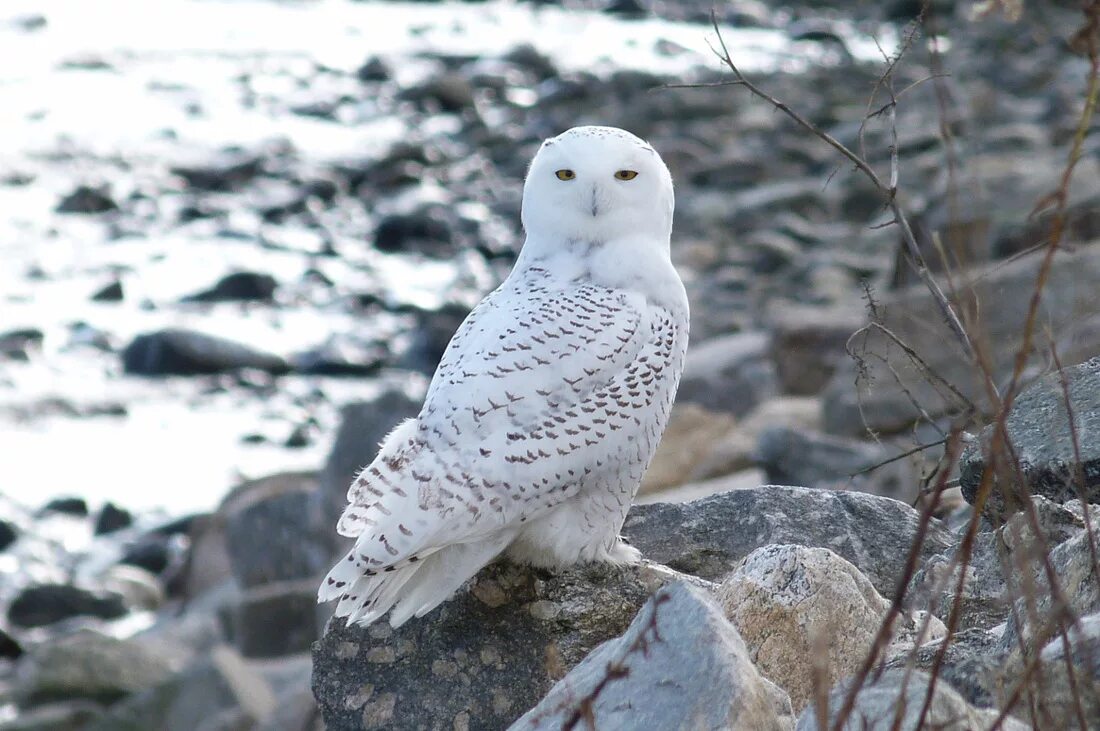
416, 588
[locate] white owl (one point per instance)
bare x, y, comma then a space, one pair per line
548, 403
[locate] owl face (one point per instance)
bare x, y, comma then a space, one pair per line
596, 184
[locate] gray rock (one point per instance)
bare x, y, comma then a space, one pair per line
238, 287
277, 531
180, 352
86, 199
1039, 430
112, 518
90, 665
482, 658
64, 716
708, 537
893, 702
8, 533
971, 664
37, 606
1058, 694
808, 343
1068, 302
224, 170
217, 692
363, 426
277, 619
799, 457
680, 665
729, 373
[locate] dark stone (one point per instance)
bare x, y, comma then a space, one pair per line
729, 373
151, 553
342, 355
110, 293
363, 426
708, 537
1056, 461
76, 506
8, 534
10, 649
448, 92
238, 287
374, 69
44, 604
516, 631
424, 231
112, 518
430, 336
632, 9
278, 536
225, 170
276, 619
186, 352
17, 344
86, 199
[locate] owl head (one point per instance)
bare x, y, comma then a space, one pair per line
597, 184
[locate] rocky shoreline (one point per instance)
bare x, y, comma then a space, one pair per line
180, 307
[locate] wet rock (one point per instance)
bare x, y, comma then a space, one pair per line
678, 660
808, 343
64, 716
1066, 309
276, 531
801, 457
1053, 456
277, 619
363, 426
708, 537
220, 171
729, 373
112, 518
219, 691
484, 657
75, 506
109, 293
894, 700
790, 603
44, 604
238, 287
186, 353
90, 665
8, 533
86, 199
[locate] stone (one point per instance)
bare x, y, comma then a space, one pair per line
238, 287
679, 665
87, 199
8, 534
63, 716
1055, 703
790, 603
111, 292
1001, 294
179, 352
449, 92
342, 355
742, 480
152, 553
90, 665
971, 664
697, 444
430, 335
10, 649
363, 426
75, 506
219, 691
808, 343
730, 373
1053, 458
801, 457
277, 619
228, 169
486, 655
43, 604
893, 701
112, 518
708, 537
275, 530
140, 590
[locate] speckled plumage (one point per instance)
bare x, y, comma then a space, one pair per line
548, 403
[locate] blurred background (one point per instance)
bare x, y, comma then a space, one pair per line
236, 235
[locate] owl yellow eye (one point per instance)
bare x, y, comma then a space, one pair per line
626, 174
565, 174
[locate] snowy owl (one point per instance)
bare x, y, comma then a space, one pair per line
548, 403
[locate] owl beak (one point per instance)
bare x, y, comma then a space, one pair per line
594, 200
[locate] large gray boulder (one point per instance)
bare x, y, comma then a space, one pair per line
708, 537
1053, 458
481, 659
680, 665
729, 373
